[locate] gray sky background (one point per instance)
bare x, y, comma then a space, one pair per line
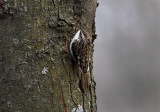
127, 56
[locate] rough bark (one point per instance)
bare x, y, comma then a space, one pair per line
36, 71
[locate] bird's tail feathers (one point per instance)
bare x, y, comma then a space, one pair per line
84, 82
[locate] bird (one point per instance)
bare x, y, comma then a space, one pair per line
80, 50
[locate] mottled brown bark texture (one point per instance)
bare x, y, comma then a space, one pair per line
36, 71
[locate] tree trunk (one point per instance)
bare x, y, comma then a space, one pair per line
36, 71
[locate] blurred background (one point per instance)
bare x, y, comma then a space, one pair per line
127, 56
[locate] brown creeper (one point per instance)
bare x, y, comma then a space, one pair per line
80, 48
